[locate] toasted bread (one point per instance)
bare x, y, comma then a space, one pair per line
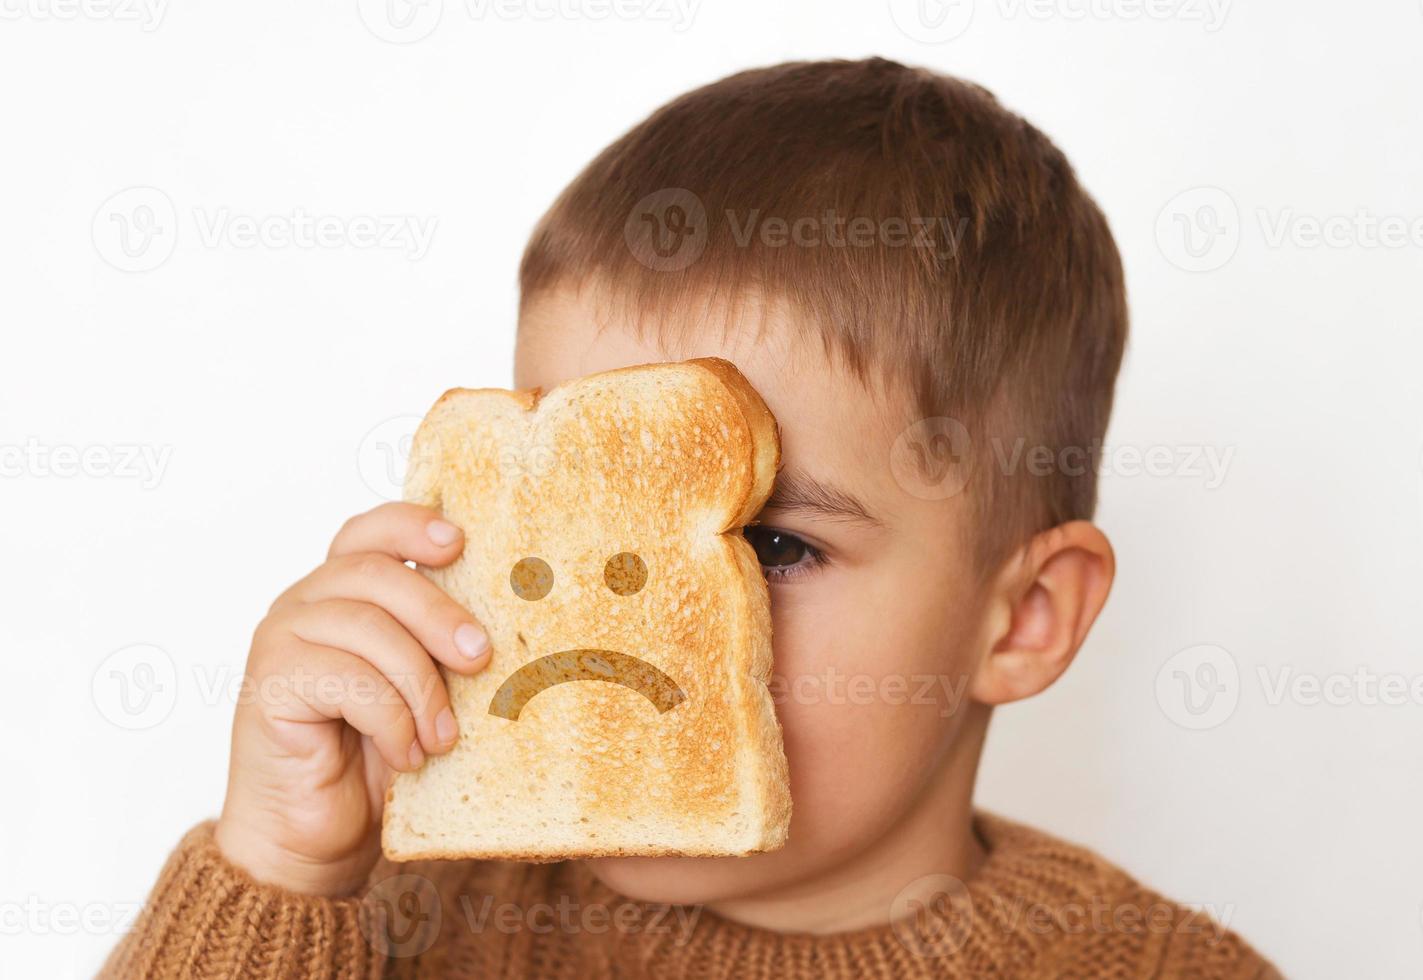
603, 549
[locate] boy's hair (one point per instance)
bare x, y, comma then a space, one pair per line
924, 231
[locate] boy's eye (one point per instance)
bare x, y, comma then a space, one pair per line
777, 549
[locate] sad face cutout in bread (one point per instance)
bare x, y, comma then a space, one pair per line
625, 708
625, 575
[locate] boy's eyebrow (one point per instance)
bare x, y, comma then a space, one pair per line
795, 490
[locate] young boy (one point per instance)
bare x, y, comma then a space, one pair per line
907, 272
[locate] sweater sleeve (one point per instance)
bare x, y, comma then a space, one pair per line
207, 918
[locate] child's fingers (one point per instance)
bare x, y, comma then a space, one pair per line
441, 625
374, 635
378, 776
408, 532
323, 682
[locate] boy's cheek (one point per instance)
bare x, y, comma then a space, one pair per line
865, 691
887, 653
850, 692
853, 769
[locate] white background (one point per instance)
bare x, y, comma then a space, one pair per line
259, 373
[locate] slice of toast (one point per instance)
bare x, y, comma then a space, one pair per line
625, 708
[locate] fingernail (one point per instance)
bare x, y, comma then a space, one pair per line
445, 726
443, 533
471, 642
417, 755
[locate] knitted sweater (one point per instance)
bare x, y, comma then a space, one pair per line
1036, 908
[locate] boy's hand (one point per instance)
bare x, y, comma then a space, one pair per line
343, 689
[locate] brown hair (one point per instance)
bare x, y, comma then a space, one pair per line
924, 230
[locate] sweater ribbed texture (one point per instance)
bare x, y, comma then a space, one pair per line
1037, 908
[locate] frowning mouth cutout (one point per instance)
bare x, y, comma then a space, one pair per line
584, 665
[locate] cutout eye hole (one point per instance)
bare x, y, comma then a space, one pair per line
531, 579
625, 573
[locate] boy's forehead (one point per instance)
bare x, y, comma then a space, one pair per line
832, 424
566, 333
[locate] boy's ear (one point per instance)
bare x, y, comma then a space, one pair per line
1045, 600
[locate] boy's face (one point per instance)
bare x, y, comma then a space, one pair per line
877, 628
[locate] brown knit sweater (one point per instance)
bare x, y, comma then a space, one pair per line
1037, 908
